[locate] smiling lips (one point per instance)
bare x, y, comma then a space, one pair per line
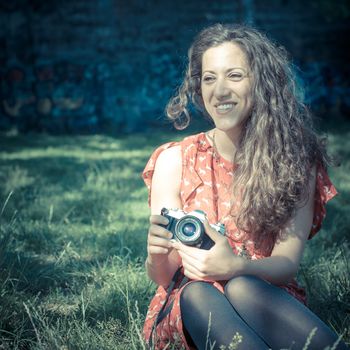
223, 108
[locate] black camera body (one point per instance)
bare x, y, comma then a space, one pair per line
188, 227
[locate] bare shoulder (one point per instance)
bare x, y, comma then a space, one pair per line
170, 161
166, 181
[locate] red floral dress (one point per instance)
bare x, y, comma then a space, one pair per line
206, 180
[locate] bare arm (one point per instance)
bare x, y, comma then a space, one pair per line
162, 260
283, 264
219, 263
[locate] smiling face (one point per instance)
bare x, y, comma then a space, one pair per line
226, 86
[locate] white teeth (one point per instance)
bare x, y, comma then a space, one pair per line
225, 106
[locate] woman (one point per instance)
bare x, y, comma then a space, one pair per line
261, 172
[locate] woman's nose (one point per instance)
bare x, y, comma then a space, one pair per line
221, 90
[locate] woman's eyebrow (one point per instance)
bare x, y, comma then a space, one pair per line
227, 70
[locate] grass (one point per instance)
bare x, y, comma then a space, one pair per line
73, 226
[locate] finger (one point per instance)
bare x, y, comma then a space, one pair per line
193, 260
156, 230
212, 233
191, 251
157, 250
159, 241
192, 264
191, 275
158, 220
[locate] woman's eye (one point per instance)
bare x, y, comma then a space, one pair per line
208, 79
236, 76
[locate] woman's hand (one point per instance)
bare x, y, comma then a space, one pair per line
218, 263
158, 241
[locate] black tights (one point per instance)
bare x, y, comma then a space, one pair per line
264, 315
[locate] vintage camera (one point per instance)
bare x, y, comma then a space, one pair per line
188, 227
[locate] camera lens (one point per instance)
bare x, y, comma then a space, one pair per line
188, 229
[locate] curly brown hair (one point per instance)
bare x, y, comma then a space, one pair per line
278, 145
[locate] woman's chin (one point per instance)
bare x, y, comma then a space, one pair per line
228, 127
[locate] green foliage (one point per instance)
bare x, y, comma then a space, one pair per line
73, 226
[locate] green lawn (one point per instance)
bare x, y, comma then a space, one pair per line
74, 220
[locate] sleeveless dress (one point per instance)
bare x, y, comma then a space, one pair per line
205, 185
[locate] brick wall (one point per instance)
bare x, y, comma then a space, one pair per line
89, 66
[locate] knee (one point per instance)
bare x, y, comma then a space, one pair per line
194, 293
243, 289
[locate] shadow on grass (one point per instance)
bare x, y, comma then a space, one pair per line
84, 190
92, 143
70, 287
